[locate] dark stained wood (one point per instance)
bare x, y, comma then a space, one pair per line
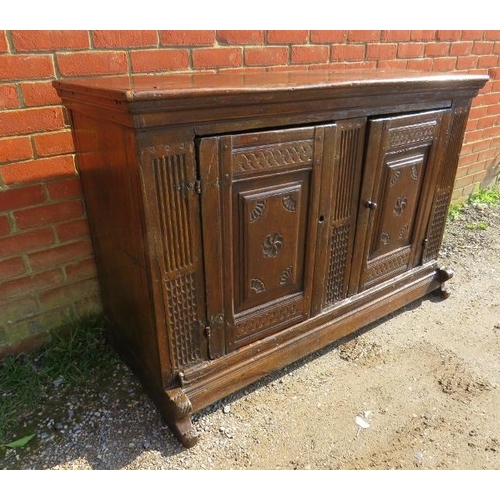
242, 221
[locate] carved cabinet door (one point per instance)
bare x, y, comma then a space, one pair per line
260, 198
400, 169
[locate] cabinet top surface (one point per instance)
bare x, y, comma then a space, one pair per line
156, 87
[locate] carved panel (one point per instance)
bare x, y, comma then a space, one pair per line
182, 320
293, 154
277, 316
438, 221
337, 265
170, 175
411, 134
270, 243
398, 202
387, 266
348, 157
174, 187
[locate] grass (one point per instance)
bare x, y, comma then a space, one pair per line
74, 353
482, 198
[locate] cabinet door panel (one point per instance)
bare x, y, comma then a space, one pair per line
399, 168
265, 191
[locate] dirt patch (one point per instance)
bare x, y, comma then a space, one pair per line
425, 381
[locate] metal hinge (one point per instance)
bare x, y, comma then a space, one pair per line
197, 187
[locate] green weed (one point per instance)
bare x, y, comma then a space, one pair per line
477, 225
75, 351
485, 197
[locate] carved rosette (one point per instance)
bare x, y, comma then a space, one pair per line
272, 245
400, 205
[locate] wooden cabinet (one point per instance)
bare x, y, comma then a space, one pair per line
241, 221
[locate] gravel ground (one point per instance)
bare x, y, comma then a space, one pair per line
417, 390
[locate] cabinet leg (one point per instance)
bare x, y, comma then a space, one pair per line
179, 418
443, 275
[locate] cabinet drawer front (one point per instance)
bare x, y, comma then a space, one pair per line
264, 188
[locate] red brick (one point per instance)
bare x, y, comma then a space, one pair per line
328, 36
21, 197
22, 242
461, 49
8, 97
496, 50
64, 188
144, 61
303, 54
89, 304
73, 230
37, 170
473, 135
3, 42
39, 94
492, 35
361, 65
4, 225
11, 267
363, 35
32, 41
187, 37
393, 64
68, 294
467, 62
478, 112
19, 67
495, 109
472, 35
15, 149
26, 121
396, 35
92, 63
481, 145
288, 36
487, 61
437, 49
60, 255
40, 281
420, 64
379, 51
237, 37
482, 48
84, 269
423, 35
54, 143
472, 124
444, 64
266, 56
48, 214
451, 35
217, 57
409, 50
347, 52
124, 38
493, 132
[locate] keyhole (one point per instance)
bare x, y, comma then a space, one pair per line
321, 218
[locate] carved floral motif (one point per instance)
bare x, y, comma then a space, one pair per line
272, 245
286, 275
258, 210
400, 205
257, 285
289, 203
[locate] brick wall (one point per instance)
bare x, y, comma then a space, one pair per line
47, 272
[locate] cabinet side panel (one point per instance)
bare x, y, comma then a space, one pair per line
444, 188
108, 168
170, 186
